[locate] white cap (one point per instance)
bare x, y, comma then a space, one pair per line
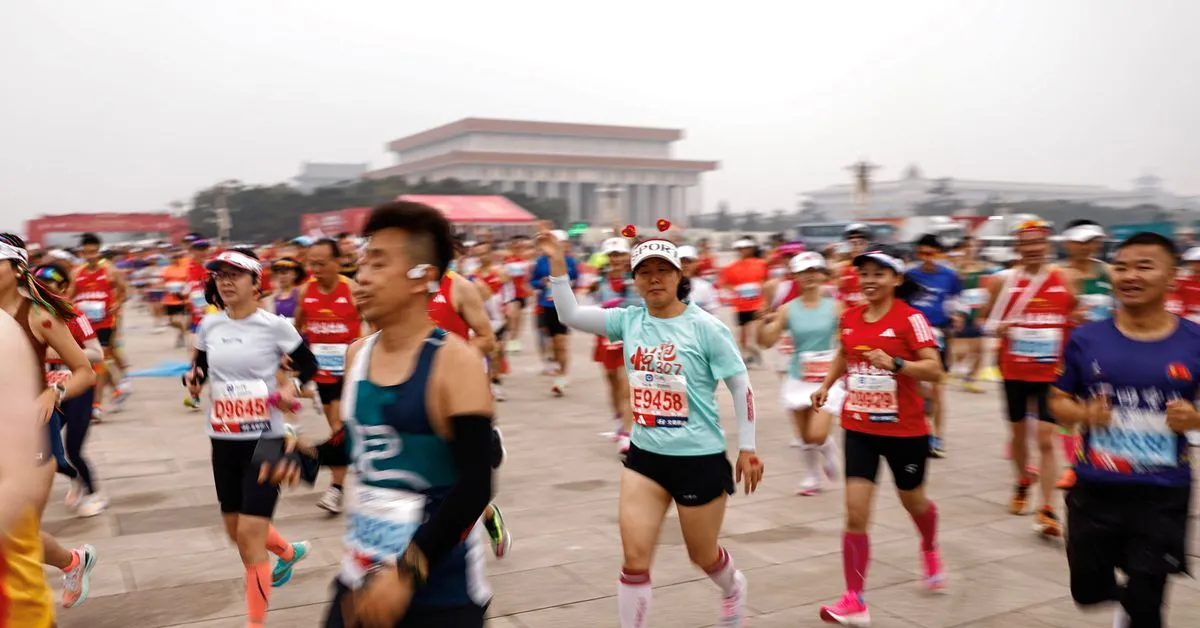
1084, 233
744, 243
881, 257
807, 261
1192, 254
561, 235
237, 260
656, 247
13, 252
614, 245
688, 251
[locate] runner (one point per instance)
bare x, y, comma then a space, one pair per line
419, 405
745, 278
99, 292
517, 266
347, 246
703, 293
887, 348
1029, 310
615, 289
855, 238
25, 599
493, 284
810, 322
238, 352
329, 320
174, 278
549, 321
937, 300
1130, 384
43, 316
289, 275
1084, 240
779, 290
968, 341
676, 353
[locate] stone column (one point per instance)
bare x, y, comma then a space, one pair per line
575, 201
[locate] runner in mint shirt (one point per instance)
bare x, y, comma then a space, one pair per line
675, 354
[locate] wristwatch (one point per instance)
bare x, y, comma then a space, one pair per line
899, 364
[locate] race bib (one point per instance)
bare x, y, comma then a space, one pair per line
747, 290
814, 365
1138, 438
176, 287
973, 298
1096, 307
330, 358
380, 524
198, 301
786, 346
874, 396
240, 407
515, 269
1037, 345
95, 311
658, 399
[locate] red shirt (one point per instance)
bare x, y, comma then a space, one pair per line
1185, 299
745, 279
848, 291
81, 331
518, 273
1033, 345
879, 401
443, 313
94, 295
331, 323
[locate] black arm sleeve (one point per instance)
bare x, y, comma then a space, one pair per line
304, 363
461, 509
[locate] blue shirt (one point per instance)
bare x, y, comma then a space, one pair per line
937, 287
1140, 378
541, 272
674, 365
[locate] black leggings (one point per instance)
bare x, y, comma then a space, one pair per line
77, 418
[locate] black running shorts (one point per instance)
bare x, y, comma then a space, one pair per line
236, 480
690, 480
330, 393
905, 456
1017, 394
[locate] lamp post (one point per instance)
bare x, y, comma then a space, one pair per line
861, 174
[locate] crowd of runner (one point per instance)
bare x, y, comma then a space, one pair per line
400, 337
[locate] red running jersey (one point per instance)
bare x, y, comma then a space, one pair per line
879, 401
331, 323
1032, 348
442, 311
94, 295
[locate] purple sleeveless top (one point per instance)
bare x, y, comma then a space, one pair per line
286, 306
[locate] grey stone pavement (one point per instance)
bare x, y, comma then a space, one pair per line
164, 559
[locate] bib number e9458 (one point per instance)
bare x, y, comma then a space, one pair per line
658, 399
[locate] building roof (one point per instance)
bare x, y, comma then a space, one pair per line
463, 157
529, 127
335, 171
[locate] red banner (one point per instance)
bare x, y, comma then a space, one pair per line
329, 224
174, 228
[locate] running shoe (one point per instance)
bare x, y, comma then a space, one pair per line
1047, 523
91, 506
97, 413
733, 607
283, 568
331, 500
513, 346
935, 447
498, 392
1066, 480
850, 611
935, 576
809, 486
498, 532
972, 387
75, 581
1020, 497
559, 387
74, 494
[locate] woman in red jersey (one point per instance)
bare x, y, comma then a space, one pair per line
887, 348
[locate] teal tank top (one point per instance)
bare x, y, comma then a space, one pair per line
811, 329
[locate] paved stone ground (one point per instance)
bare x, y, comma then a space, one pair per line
165, 561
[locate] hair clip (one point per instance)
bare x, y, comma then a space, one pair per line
663, 224
629, 231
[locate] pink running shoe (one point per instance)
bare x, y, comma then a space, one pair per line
733, 607
75, 581
935, 576
850, 611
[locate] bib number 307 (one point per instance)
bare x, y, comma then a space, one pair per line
658, 399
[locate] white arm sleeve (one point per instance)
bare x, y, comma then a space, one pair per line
743, 407
589, 318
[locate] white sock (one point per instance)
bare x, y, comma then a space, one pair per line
809, 459
724, 574
633, 599
829, 449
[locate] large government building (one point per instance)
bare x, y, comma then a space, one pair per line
606, 174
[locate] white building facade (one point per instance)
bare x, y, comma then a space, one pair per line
897, 198
583, 164
319, 175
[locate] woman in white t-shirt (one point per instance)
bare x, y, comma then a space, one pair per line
703, 293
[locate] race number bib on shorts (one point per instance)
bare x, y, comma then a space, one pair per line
380, 525
93, 310
1136, 440
658, 399
330, 358
747, 290
814, 365
874, 396
240, 407
1035, 345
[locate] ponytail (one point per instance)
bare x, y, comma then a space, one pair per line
59, 306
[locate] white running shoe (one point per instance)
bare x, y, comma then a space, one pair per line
331, 501
92, 505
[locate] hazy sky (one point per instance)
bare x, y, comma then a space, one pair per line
126, 105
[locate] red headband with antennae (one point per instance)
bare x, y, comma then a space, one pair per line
630, 231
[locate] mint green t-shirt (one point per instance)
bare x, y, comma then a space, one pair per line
674, 366
812, 333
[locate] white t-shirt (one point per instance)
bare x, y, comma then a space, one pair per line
704, 295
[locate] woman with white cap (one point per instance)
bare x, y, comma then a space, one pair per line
702, 293
676, 353
615, 289
811, 321
239, 350
887, 348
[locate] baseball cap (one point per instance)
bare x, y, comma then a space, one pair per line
688, 251
807, 261
614, 245
744, 243
237, 260
1192, 254
655, 247
881, 255
1084, 233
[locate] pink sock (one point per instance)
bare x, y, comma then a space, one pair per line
74, 561
633, 598
278, 546
856, 554
927, 526
723, 573
258, 591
